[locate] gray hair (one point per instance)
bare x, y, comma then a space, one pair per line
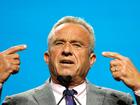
76, 20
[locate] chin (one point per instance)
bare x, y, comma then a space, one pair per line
65, 74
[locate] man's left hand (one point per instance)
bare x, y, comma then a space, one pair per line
123, 69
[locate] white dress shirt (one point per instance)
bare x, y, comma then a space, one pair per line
58, 93
137, 92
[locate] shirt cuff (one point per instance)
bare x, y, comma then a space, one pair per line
137, 92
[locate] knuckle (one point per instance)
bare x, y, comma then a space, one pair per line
112, 62
114, 75
16, 55
18, 67
112, 69
18, 62
15, 68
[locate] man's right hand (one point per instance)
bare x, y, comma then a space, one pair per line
9, 62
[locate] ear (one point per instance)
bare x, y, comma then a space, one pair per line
46, 57
92, 58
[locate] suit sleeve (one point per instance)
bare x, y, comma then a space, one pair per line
137, 99
8, 101
0, 91
20, 99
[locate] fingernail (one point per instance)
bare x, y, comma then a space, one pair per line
25, 46
103, 53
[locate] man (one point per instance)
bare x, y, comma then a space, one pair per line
70, 56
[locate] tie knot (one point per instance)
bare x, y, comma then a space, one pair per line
70, 92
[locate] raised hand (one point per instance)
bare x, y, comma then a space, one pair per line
123, 69
9, 62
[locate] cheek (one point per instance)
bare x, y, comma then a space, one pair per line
54, 53
83, 60
53, 60
83, 57
85, 66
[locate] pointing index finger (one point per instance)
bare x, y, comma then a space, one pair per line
15, 49
113, 55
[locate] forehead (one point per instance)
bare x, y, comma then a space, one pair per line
71, 31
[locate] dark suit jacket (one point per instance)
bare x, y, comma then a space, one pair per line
43, 95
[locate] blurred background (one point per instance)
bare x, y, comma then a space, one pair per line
116, 24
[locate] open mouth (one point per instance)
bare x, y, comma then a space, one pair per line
66, 62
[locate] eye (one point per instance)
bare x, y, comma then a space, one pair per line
58, 43
77, 45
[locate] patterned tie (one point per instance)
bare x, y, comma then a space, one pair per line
69, 96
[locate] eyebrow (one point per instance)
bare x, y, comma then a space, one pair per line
72, 41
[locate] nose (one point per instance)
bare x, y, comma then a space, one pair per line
67, 50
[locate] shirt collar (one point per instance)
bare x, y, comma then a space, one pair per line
59, 88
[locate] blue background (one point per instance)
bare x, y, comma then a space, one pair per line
116, 24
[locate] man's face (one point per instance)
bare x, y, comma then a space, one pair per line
69, 52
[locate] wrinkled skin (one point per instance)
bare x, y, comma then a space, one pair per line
69, 53
9, 62
123, 69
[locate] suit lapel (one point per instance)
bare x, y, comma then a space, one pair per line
44, 95
94, 95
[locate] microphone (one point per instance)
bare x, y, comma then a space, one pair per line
64, 80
